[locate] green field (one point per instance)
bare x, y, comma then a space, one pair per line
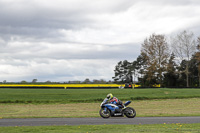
91, 95
154, 128
145, 108
31, 103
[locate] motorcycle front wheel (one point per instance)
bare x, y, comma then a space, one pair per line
130, 112
104, 113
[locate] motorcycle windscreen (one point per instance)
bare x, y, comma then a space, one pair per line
127, 103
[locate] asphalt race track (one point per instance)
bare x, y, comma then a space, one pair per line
96, 121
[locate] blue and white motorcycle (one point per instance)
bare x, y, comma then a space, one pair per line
108, 109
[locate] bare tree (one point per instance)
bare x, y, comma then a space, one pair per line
184, 46
157, 52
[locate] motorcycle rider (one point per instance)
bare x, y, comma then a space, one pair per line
114, 100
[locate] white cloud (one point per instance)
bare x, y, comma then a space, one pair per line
57, 70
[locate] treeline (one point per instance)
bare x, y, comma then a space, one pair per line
86, 81
170, 63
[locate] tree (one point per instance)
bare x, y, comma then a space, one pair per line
34, 80
193, 69
171, 76
138, 68
134, 69
23, 82
182, 82
197, 57
48, 81
156, 51
101, 81
183, 46
123, 72
87, 81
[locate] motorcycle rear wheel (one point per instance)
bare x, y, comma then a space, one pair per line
103, 113
130, 112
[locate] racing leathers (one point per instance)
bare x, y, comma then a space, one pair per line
117, 102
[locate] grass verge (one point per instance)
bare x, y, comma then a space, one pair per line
154, 128
144, 108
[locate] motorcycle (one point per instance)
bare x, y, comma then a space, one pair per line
111, 110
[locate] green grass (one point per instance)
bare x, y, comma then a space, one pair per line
144, 108
91, 95
154, 128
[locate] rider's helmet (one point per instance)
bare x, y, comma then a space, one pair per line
109, 96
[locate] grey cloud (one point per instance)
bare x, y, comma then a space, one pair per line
27, 51
39, 21
34, 14
32, 44
172, 2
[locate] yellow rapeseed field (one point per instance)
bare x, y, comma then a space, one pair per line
67, 85
60, 85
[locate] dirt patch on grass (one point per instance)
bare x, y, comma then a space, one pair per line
168, 107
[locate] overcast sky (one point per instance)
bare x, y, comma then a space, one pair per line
62, 40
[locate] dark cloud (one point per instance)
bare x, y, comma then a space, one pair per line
36, 18
27, 51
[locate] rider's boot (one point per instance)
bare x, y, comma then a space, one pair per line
123, 106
